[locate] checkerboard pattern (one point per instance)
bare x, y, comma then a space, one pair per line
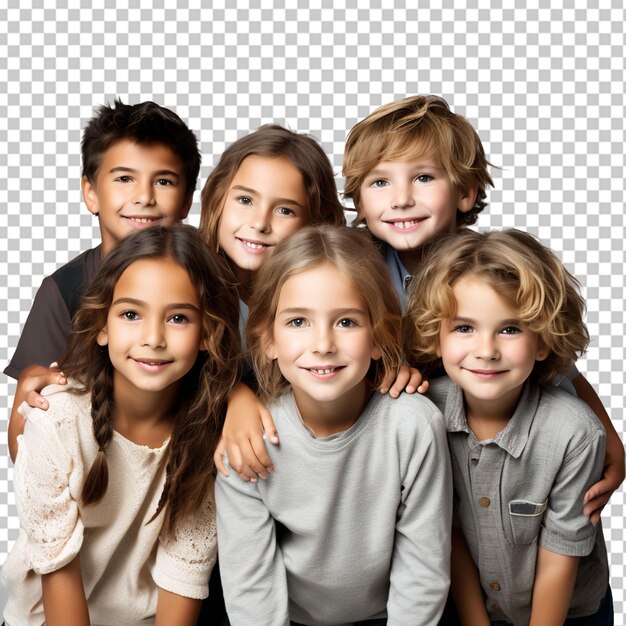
543, 84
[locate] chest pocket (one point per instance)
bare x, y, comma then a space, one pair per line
526, 519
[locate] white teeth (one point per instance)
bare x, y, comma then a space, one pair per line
142, 220
328, 370
406, 224
254, 246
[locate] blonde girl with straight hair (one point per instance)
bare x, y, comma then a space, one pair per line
353, 526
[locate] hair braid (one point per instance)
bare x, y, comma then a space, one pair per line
97, 480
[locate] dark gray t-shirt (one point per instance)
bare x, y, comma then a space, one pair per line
45, 333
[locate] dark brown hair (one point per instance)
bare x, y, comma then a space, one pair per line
200, 408
271, 140
144, 123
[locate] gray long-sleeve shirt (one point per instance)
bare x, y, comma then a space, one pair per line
350, 527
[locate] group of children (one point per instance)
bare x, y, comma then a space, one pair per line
256, 344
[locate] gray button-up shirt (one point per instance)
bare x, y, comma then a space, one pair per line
524, 489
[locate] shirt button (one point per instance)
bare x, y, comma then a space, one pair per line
494, 586
474, 461
484, 502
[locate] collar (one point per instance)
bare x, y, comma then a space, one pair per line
400, 276
514, 436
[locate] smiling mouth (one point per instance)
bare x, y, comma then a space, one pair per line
406, 224
142, 220
324, 371
487, 373
253, 245
151, 364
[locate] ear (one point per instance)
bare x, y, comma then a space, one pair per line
203, 347
89, 196
467, 199
103, 337
376, 353
184, 211
269, 348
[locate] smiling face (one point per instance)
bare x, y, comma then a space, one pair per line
407, 204
322, 339
265, 203
135, 187
154, 328
486, 349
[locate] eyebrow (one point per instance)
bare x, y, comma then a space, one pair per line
121, 168
417, 166
173, 305
303, 311
254, 192
469, 320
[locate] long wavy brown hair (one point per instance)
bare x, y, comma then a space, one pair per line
201, 405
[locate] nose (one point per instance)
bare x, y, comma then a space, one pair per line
152, 333
144, 193
402, 196
487, 348
260, 219
323, 340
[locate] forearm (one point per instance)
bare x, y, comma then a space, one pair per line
63, 595
555, 576
465, 585
615, 448
175, 610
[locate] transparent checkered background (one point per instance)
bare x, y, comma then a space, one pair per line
543, 84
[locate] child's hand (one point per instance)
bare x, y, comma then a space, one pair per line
31, 381
407, 379
599, 494
247, 419
34, 378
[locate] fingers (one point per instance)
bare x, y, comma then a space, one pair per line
269, 426
596, 499
415, 380
218, 457
387, 382
35, 400
249, 458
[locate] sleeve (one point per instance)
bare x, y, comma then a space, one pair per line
251, 563
48, 513
44, 336
185, 558
565, 530
420, 569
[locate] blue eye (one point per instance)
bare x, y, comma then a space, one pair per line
463, 328
377, 184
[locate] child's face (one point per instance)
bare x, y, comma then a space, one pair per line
486, 350
154, 327
322, 339
136, 186
409, 203
265, 203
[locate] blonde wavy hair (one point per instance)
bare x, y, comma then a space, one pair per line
407, 129
354, 254
525, 273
